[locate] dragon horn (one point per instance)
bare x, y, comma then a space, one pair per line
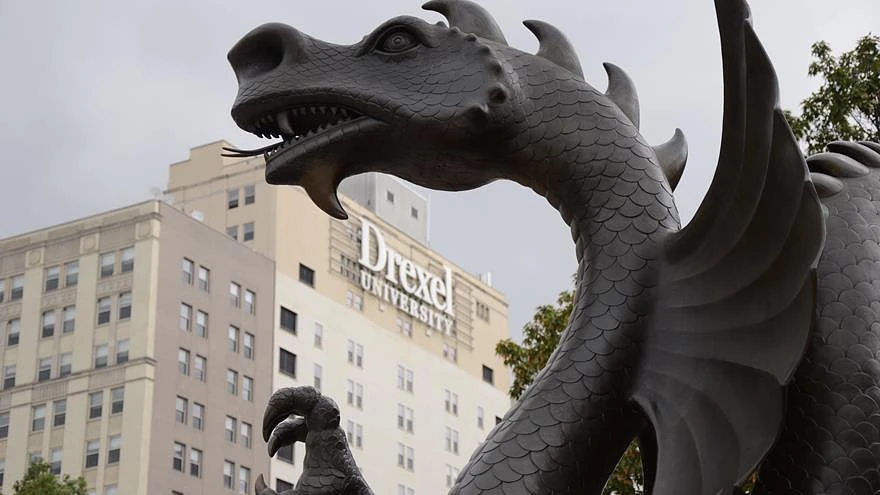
622, 92
555, 47
468, 17
673, 155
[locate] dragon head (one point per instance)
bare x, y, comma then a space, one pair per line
443, 107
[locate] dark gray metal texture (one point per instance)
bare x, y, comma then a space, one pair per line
685, 338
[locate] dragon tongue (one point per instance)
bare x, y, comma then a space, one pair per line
321, 188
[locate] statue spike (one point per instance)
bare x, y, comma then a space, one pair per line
555, 47
673, 156
622, 91
469, 17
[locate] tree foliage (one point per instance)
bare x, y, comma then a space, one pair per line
540, 338
39, 480
847, 104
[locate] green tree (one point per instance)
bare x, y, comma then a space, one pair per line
39, 480
847, 104
540, 338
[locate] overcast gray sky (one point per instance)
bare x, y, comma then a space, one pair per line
98, 97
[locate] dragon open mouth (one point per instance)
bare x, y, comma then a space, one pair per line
294, 126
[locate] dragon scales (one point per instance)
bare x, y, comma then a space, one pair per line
687, 338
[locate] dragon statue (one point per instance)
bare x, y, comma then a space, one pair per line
744, 340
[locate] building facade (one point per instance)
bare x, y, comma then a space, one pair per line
119, 357
400, 337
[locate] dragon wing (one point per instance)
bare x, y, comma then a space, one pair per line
735, 299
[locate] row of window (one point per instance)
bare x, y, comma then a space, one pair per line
188, 268
52, 276
194, 414
65, 363
232, 195
196, 457
237, 341
203, 277
197, 365
413, 211
247, 231
108, 265
288, 321
40, 412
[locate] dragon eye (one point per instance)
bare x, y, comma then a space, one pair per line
397, 41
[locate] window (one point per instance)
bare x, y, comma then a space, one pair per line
45, 370
103, 311
359, 356
59, 407
359, 395
232, 382
247, 388
482, 311
231, 427
350, 394
285, 454
186, 312
480, 417
55, 461
228, 473
451, 402
405, 490
389, 196
96, 404
350, 351
177, 457
244, 480
405, 418
125, 305
108, 260
248, 231
288, 320
250, 194
287, 362
401, 377
306, 275
414, 212
126, 265
114, 449
2, 290
71, 274
117, 400
318, 374
122, 351
13, 332
17, 288
246, 434
92, 453
180, 408
198, 416
234, 294
186, 267
202, 324
405, 457
204, 279
48, 324
451, 475
281, 485
488, 375
358, 302
355, 434
52, 276
183, 361
195, 463
4, 425
9, 377
319, 335
68, 319
250, 301
247, 345
232, 200
232, 338
200, 365
450, 352
451, 440
404, 325
101, 356
66, 365
110, 490
232, 231
38, 422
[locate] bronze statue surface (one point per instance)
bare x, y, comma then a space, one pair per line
683, 337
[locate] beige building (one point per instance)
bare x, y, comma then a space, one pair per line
400, 337
135, 351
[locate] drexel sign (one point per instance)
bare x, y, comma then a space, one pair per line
408, 286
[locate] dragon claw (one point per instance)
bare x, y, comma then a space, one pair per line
261, 488
291, 430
